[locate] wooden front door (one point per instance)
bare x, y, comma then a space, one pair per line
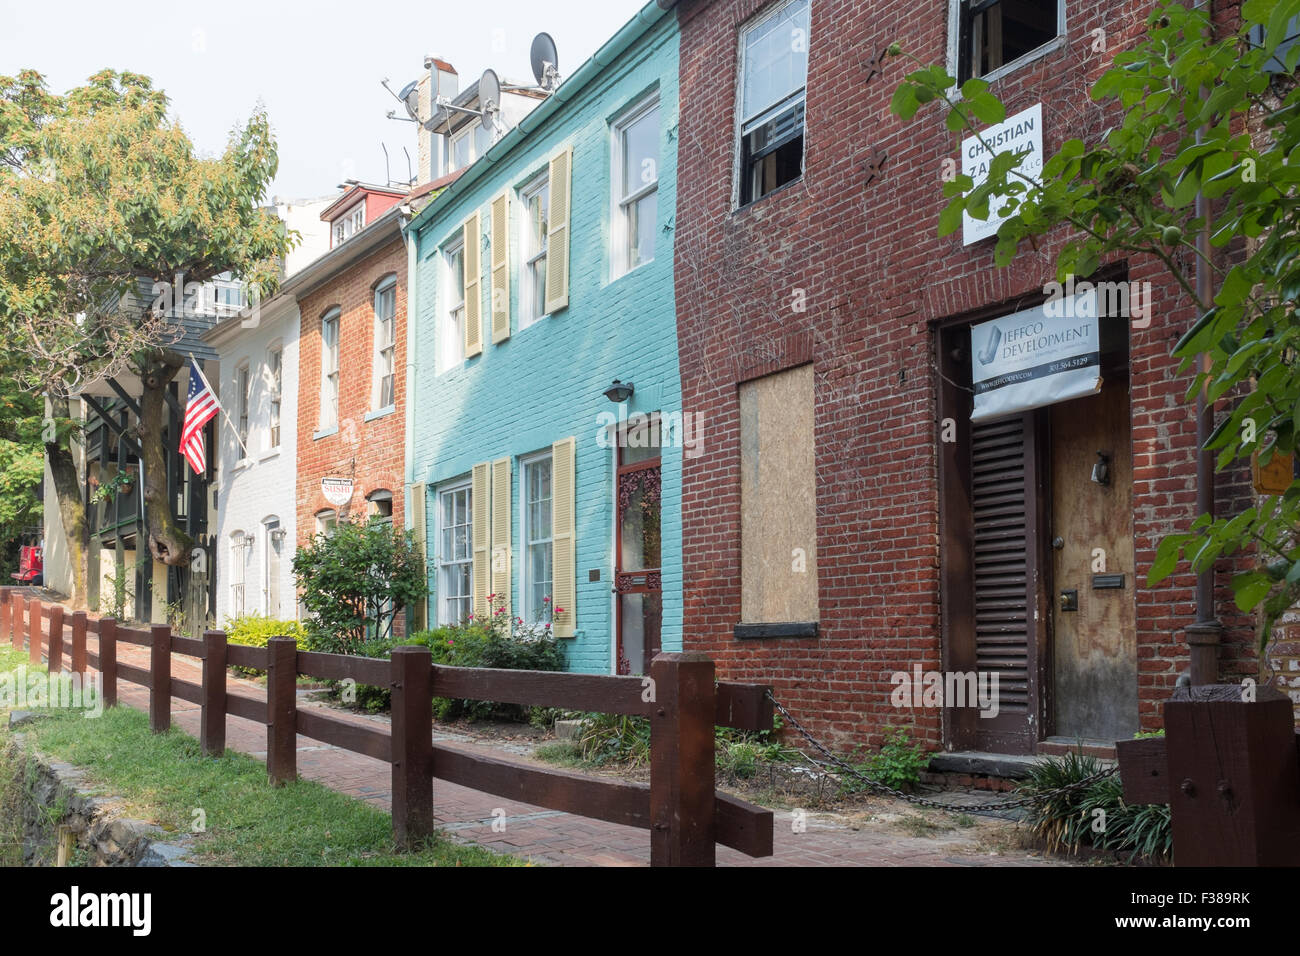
638, 579
1094, 635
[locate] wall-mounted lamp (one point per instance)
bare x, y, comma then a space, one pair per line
1101, 470
278, 535
619, 392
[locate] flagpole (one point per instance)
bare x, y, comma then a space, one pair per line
194, 362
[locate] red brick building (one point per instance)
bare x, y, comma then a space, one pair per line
850, 522
352, 383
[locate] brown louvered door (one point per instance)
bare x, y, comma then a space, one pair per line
1005, 512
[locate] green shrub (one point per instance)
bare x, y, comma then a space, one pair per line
1095, 815
498, 642
897, 765
355, 581
254, 630
615, 738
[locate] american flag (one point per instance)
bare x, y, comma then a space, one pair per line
200, 408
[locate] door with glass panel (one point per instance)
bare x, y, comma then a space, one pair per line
638, 578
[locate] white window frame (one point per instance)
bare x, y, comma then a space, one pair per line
373, 506
530, 310
441, 563
620, 256
329, 370
770, 110
270, 528
275, 403
238, 563
327, 519
243, 404
454, 304
385, 355
349, 224
526, 463
954, 43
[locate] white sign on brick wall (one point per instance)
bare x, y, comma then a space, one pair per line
337, 491
1024, 131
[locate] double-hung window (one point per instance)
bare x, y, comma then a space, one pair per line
774, 77
535, 199
538, 554
385, 343
455, 554
347, 226
992, 34
329, 370
275, 362
451, 341
636, 182
243, 397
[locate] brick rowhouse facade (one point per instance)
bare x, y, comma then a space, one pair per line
367, 445
854, 240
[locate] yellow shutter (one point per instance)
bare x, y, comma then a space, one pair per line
557, 239
416, 496
564, 589
501, 532
480, 509
473, 295
500, 257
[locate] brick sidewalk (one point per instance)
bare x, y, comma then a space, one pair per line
551, 836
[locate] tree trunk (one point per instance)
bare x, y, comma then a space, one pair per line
72, 507
167, 542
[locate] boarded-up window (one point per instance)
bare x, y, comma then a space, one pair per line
778, 500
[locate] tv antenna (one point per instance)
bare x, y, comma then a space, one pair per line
409, 98
546, 63
489, 98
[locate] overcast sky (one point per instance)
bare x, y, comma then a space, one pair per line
316, 66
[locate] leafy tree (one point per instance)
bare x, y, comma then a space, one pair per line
1134, 193
99, 189
355, 581
21, 462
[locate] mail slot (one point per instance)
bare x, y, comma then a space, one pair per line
1101, 582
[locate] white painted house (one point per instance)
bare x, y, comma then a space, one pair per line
255, 527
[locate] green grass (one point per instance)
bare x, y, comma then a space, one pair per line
165, 779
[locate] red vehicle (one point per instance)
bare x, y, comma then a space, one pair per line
31, 565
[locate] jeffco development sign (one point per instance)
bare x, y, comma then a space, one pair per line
1028, 360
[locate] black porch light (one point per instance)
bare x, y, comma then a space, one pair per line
619, 392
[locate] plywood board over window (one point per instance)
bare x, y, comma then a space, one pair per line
778, 500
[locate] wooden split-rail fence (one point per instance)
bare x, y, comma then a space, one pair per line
685, 815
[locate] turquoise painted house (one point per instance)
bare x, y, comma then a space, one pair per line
546, 432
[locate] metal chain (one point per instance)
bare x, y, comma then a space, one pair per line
935, 804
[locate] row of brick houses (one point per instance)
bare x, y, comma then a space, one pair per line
676, 347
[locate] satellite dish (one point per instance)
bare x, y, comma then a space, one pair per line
489, 98
545, 61
410, 97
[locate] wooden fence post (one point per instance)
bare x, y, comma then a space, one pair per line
34, 631
56, 638
79, 642
412, 735
282, 710
160, 678
681, 760
108, 659
212, 716
6, 612
16, 621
